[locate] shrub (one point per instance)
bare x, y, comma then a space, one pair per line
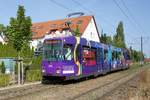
4, 80
36, 63
3, 68
33, 75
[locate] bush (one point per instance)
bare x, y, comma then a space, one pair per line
36, 63
7, 51
4, 80
2, 68
33, 75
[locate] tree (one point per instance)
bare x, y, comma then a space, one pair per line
136, 55
103, 38
19, 32
2, 68
109, 40
2, 30
118, 39
77, 31
106, 39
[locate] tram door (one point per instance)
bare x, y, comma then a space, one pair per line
100, 60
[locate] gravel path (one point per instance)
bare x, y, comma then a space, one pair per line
83, 90
21, 91
136, 89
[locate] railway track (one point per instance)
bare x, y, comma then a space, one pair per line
103, 89
18, 92
37, 91
98, 92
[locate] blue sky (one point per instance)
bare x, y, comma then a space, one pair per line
106, 13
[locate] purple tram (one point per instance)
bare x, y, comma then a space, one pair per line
73, 58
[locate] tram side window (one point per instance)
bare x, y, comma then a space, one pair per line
119, 56
67, 52
113, 55
89, 56
98, 55
116, 55
126, 55
105, 55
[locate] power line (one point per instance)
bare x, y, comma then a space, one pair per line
124, 13
130, 20
133, 18
61, 5
92, 12
117, 4
83, 6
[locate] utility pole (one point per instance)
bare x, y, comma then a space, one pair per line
20, 70
142, 51
18, 73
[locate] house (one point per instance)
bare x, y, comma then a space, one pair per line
59, 28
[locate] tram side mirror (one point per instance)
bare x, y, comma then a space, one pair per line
38, 51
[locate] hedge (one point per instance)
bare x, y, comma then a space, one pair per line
4, 80
33, 75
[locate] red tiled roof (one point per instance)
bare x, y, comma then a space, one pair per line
40, 29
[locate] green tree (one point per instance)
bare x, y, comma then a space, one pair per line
105, 39
2, 68
119, 39
136, 55
19, 32
77, 31
109, 40
2, 30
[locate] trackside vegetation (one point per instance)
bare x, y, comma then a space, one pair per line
33, 75
32, 65
4, 80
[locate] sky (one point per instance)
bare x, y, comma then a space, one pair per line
134, 14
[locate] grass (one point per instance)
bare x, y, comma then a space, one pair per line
4, 80
33, 75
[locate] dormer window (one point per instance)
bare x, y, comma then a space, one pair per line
33, 33
68, 23
62, 25
53, 25
53, 31
79, 22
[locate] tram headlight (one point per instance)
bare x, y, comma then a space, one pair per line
58, 70
43, 70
